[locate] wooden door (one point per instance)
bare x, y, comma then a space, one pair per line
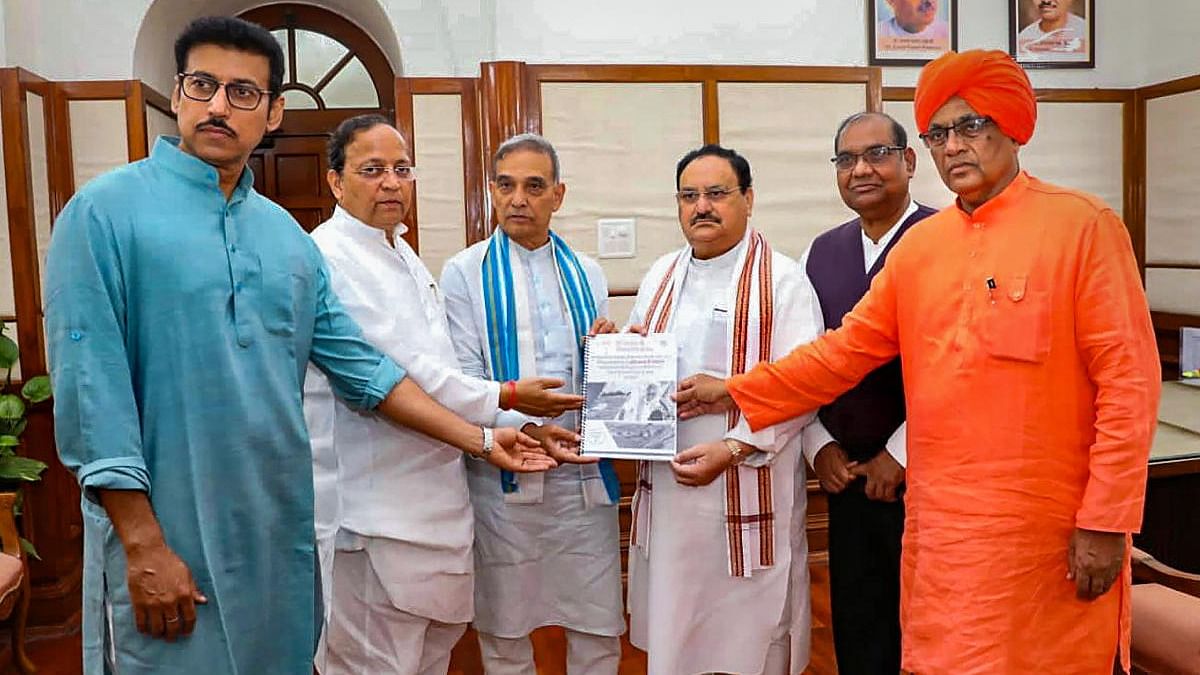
290, 171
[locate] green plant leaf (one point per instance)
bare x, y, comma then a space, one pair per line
8, 352
27, 546
7, 441
19, 427
37, 389
15, 467
11, 407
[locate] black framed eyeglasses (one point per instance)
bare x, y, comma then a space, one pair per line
202, 88
875, 155
969, 127
713, 195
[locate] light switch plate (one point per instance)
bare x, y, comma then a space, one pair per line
616, 237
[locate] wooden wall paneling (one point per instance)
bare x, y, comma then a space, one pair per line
1166, 324
50, 520
404, 122
712, 112
475, 218
504, 95
135, 120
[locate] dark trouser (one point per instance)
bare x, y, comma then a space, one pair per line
864, 581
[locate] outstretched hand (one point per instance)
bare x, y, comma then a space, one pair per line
518, 452
560, 444
535, 396
702, 395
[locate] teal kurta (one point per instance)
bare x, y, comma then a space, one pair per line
179, 327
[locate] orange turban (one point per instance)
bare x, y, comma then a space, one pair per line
990, 81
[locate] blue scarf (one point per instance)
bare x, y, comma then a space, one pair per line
500, 312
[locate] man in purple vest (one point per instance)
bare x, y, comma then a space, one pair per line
857, 444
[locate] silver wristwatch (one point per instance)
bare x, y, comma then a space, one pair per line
489, 441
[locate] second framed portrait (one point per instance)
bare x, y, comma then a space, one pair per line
1052, 33
910, 32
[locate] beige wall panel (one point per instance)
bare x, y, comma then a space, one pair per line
618, 145
7, 304
40, 168
619, 309
437, 125
926, 186
158, 123
99, 138
1172, 177
1173, 290
786, 132
1078, 145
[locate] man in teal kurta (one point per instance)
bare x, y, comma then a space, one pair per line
181, 310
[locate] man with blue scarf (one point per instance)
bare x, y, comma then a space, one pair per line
546, 547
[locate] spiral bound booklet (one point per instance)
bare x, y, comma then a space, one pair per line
628, 382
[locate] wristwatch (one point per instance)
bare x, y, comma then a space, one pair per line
489, 441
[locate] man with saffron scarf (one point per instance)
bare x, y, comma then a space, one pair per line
546, 548
1032, 383
718, 559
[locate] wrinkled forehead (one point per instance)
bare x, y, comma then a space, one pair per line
522, 165
951, 112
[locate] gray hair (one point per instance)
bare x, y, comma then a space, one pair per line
531, 142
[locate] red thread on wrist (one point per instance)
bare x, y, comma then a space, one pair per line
511, 386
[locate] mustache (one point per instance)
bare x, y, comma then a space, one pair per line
215, 123
710, 217
1047, 3
926, 5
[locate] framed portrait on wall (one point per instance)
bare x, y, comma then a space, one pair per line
910, 32
1052, 33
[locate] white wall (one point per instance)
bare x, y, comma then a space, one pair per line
1171, 41
87, 39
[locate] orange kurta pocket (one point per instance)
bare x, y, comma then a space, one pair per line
1016, 323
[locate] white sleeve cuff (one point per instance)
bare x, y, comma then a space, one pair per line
814, 437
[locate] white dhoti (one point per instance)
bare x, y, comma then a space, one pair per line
368, 634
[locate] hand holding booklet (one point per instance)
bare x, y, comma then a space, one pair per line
628, 382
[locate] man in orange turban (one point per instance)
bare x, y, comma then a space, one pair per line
1032, 382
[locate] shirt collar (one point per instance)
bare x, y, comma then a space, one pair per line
891, 233
167, 153
1011, 194
358, 228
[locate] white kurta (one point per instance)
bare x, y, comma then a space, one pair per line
686, 610
380, 487
556, 562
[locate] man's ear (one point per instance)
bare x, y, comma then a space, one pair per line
275, 114
335, 184
749, 201
910, 161
560, 191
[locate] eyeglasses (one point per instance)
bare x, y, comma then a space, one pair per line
374, 172
970, 127
203, 88
714, 195
875, 155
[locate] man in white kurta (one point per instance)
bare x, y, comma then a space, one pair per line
393, 516
546, 549
705, 596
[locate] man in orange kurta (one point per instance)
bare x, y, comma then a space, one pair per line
1032, 382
